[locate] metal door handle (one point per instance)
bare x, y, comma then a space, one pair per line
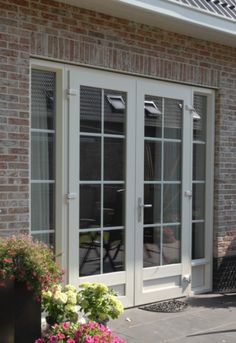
140, 207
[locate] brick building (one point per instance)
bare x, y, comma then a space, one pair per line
117, 139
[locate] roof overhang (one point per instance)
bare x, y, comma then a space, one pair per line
168, 15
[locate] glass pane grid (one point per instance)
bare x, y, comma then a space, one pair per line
169, 246
106, 252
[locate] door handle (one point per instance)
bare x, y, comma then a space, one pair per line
141, 205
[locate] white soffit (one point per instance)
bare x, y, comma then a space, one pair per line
169, 15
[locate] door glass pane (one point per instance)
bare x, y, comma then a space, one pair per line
199, 161
171, 203
151, 246
171, 246
114, 112
113, 208
173, 113
152, 160
42, 208
114, 159
199, 125
89, 253
47, 238
113, 251
152, 196
42, 156
198, 201
198, 240
153, 121
90, 109
90, 206
172, 161
90, 158
43, 99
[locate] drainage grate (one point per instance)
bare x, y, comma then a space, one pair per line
168, 306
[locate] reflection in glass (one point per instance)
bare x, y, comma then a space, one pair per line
198, 201
114, 159
90, 158
153, 124
43, 99
42, 156
90, 109
42, 206
89, 253
114, 115
47, 238
152, 160
171, 245
173, 111
90, 206
198, 240
171, 203
199, 125
114, 205
113, 251
152, 196
172, 161
151, 247
199, 161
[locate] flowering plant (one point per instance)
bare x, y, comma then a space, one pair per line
99, 302
80, 333
60, 303
28, 261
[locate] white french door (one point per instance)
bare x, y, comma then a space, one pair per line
129, 194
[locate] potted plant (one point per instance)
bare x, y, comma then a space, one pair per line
27, 268
60, 304
98, 302
80, 333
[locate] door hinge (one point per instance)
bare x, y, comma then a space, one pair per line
72, 91
71, 196
188, 194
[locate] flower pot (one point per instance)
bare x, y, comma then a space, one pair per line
20, 317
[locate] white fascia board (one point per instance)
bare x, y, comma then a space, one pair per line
168, 15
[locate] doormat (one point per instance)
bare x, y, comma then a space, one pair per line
168, 306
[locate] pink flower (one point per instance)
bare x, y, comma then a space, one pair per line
70, 340
39, 340
88, 339
53, 339
61, 335
65, 325
7, 260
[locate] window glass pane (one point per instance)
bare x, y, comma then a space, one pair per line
153, 122
171, 245
42, 206
199, 161
90, 109
113, 251
151, 246
199, 125
114, 159
152, 160
114, 205
90, 206
171, 203
89, 253
42, 156
43, 93
173, 110
47, 238
172, 161
152, 196
114, 112
198, 240
198, 201
90, 158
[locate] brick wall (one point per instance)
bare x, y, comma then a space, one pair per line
46, 28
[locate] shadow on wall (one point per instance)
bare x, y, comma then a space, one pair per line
224, 270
